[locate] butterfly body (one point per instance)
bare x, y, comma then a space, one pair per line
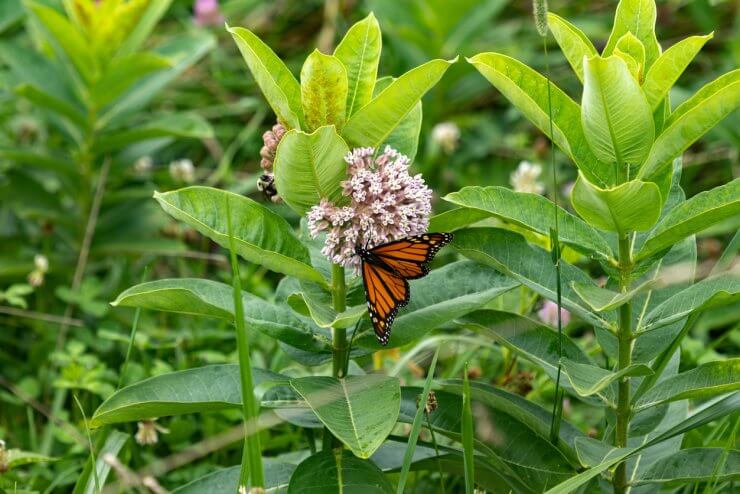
386, 269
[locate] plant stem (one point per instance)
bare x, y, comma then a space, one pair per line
624, 340
339, 336
251, 465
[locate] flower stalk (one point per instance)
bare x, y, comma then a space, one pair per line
339, 335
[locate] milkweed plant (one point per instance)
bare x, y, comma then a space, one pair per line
619, 259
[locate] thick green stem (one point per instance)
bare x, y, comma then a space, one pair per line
339, 336
624, 339
251, 466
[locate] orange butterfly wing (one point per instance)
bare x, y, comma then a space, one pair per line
410, 257
386, 288
385, 293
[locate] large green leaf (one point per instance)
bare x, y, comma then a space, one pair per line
574, 44
617, 120
716, 410
47, 101
632, 206
181, 52
588, 379
213, 299
180, 125
603, 299
705, 109
636, 17
282, 91
323, 91
527, 90
442, 296
718, 290
198, 390
405, 137
530, 339
455, 219
509, 253
277, 476
534, 212
692, 216
706, 380
336, 472
69, 39
310, 167
122, 73
359, 51
694, 465
668, 68
359, 410
372, 124
260, 235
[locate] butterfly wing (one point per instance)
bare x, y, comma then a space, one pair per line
385, 292
410, 257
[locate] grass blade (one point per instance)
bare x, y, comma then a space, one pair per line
467, 435
252, 455
416, 426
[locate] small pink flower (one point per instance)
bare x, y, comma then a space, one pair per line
207, 13
549, 314
386, 203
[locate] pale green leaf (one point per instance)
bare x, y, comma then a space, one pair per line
588, 379
359, 51
48, 101
669, 66
282, 91
638, 18
123, 72
705, 109
317, 303
214, 299
260, 236
632, 51
442, 296
336, 472
704, 381
181, 125
145, 24
692, 216
509, 253
310, 167
617, 120
533, 212
603, 299
574, 44
718, 290
405, 137
198, 390
323, 91
455, 219
359, 410
632, 206
694, 465
372, 124
87, 482
527, 90
16, 458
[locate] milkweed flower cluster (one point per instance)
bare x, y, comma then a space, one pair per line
208, 13
549, 314
447, 136
385, 204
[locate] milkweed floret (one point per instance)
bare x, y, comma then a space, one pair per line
385, 203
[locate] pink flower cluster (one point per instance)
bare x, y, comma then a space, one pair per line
386, 203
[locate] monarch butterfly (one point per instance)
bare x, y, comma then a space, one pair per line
385, 271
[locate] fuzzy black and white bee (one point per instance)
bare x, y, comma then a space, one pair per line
266, 185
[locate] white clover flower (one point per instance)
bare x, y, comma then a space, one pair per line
549, 314
143, 165
447, 136
183, 171
386, 203
524, 178
41, 262
208, 13
41, 266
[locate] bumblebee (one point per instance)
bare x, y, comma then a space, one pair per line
266, 185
